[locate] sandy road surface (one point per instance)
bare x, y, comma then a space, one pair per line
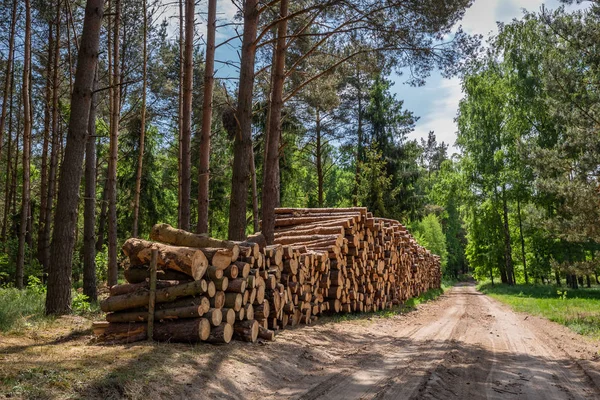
463, 346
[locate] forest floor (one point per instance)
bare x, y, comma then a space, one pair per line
464, 345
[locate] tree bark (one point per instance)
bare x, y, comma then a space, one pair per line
102, 218
186, 133
507, 245
138, 176
7, 186
522, 242
26, 147
180, 115
319, 158
270, 191
89, 211
8, 73
188, 260
113, 152
46, 139
243, 138
207, 107
58, 299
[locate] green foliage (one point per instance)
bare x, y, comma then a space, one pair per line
374, 183
102, 264
80, 303
429, 234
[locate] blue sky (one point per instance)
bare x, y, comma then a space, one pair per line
436, 103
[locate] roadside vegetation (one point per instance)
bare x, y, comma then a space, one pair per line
578, 309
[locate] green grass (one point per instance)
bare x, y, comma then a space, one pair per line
20, 309
578, 309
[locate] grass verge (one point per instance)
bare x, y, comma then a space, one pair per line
577, 309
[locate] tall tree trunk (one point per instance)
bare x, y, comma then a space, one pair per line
255, 217
46, 139
186, 133
7, 186
359, 144
89, 210
8, 73
58, 299
55, 145
26, 148
113, 151
180, 116
507, 245
207, 107
242, 146
319, 152
270, 190
522, 242
138, 177
102, 219
16, 159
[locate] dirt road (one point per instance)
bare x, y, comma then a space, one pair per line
462, 346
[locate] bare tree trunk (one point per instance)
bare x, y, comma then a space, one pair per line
359, 149
186, 133
7, 186
180, 121
319, 153
44, 171
255, 217
102, 219
207, 107
54, 150
243, 139
522, 242
89, 211
507, 245
113, 152
58, 299
138, 177
270, 191
26, 147
8, 73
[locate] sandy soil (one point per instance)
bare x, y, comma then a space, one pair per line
462, 346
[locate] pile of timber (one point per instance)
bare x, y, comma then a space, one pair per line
322, 261
206, 290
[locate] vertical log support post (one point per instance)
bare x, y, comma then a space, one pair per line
152, 296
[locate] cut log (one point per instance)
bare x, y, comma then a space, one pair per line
231, 272
218, 300
140, 298
228, 315
233, 300
221, 284
221, 334
188, 260
237, 286
117, 290
167, 234
139, 274
214, 316
184, 331
266, 334
246, 331
166, 314
214, 273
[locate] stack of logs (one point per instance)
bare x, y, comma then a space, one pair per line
323, 261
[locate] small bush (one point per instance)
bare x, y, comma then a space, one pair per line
19, 308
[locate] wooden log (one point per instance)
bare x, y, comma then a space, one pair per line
214, 273
214, 316
237, 286
218, 300
98, 327
201, 301
266, 334
184, 331
165, 314
221, 284
318, 230
220, 258
188, 260
141, 273
284, 240
152, 294
233, 300
167, 234
117, 290
246, 330
302, 211
243, 268
231, 272
140, 298
228, 315
221, 334
248, 311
